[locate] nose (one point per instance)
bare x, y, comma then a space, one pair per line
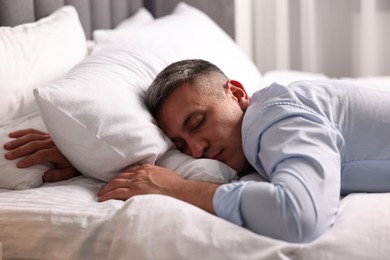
196, 147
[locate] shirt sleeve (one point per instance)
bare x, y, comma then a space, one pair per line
301, 158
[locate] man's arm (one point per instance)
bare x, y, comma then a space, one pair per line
151, 179
301, 200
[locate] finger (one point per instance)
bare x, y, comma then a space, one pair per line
40, 157
125, 175
118, 194
25, 139
138, 168
59, 174
133, 168
22, 132
29, 148
115, 184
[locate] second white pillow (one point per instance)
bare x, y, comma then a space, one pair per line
186, 34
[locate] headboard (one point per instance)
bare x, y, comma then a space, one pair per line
106, 14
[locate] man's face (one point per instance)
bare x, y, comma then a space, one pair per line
205, 126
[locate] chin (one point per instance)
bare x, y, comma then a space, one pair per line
243, 169
238, 169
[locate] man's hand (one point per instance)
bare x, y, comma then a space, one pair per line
38, 148
151, 179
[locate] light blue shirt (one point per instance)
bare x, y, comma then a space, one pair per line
311, 141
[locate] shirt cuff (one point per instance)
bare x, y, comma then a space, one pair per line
227, 200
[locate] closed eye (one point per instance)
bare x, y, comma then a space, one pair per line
196, 122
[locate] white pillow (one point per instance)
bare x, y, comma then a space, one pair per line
186, 33
196, 169
97, 118
141, 17
36, 53
96, 115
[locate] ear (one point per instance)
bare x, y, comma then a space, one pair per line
238, 91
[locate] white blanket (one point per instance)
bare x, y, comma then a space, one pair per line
64, 221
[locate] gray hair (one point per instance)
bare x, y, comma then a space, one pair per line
186, 71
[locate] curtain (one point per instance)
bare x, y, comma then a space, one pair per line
339, 38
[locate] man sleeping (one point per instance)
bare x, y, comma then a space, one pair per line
311, 141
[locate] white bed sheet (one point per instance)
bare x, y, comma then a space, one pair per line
64, 221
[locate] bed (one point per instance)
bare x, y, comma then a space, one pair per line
72, 68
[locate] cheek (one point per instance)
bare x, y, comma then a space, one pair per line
225, 131
225, 123
232, 122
